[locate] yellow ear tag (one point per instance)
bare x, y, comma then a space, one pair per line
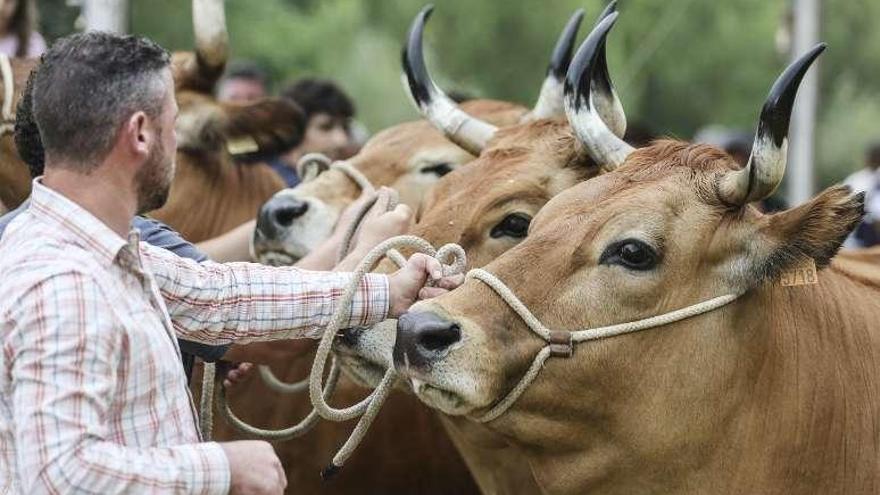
242, 145
804, 273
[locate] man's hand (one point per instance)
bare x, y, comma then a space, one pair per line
407, 285
378, 225
381, 224
254, 468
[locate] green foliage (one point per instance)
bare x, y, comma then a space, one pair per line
678, 64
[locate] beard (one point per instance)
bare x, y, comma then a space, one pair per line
153, 180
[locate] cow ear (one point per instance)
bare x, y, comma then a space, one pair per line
814, 230
262, 130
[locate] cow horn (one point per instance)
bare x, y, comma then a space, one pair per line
462, 129
586, 80
549, 102
766, 166
211, 37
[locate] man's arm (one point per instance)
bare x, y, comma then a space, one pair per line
64, 349
243, 302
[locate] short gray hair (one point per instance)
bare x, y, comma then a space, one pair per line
88, 84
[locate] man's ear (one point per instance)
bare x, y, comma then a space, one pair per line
262, 130
137, 134
813, 230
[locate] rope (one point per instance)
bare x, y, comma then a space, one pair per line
561, 343
8, 124
323, 163
451, 255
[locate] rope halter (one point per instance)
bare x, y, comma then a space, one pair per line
311, 165
560, 343
8, 124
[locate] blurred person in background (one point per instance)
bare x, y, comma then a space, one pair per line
244, 82
867, 180
329, 112
18, 35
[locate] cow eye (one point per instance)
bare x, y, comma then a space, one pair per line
439, 169
513, 225
630, 253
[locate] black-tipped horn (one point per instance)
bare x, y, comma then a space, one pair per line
776, 113
462, 129
564, 49
766, 166
583, 78
417, 76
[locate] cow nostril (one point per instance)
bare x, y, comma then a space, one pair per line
285, 215
439, 338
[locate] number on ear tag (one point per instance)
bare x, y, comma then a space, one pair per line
803, 273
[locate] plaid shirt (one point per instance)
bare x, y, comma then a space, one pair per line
92, 398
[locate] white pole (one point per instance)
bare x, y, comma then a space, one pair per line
106, 15
801, 175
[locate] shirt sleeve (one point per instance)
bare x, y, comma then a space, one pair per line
244, 302
64, 348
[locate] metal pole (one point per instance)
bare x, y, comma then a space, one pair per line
801, 175
106, 15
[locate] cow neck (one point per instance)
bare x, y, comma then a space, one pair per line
560, 343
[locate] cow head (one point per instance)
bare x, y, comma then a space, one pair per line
220, 181
409, 157
669, 227
487, 205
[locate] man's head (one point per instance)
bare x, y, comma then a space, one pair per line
328, 110
872, 156
100, 97
244, 82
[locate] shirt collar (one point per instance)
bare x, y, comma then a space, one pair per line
75, 222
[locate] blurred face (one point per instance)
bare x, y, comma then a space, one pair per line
154, 178
241, 90
325, 134
7, 10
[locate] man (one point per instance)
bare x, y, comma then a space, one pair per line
244, 82
89, 398
30, 148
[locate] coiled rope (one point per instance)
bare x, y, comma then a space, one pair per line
451, 256
309, 167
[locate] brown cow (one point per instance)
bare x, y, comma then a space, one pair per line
775, 392
219, 182
486, 206
409, 157
439, 469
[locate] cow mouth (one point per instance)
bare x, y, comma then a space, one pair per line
364, 372
439, 398
277, 258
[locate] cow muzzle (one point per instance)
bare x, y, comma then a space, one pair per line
289, 226
423, 338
